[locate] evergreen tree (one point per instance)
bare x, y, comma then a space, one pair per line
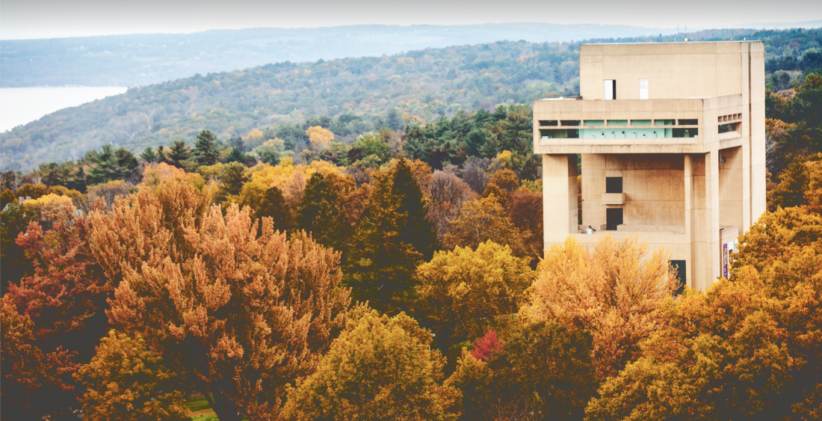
319, 212
127, 162
149, 155
272, 205
178, 153
394, 235
236, 155
206, 148
418, 229
106, 167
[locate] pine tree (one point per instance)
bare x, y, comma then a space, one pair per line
319, 212
418, 230
393, 236
206, 148
106, 166
149, 155
178, 153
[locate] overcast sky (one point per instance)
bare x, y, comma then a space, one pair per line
21, 19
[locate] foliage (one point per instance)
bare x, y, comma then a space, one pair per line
613, 290
239, 312
484, 220
319, 212
464, 290
319, 136
206, 148
380, 368
544, 371
391, 238
127, 381
447, 193
484, 347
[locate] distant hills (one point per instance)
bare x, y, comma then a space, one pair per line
136, 60
419, 86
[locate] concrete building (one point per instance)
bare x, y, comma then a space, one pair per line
671, 138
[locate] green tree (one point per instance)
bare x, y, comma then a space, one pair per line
379, 368
206, 148
106, 166
418, 230
178, 153
319, 212
232, 178
149, 155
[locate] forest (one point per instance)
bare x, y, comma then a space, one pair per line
360, 94
398, 274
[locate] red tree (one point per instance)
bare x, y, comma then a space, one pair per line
485, 346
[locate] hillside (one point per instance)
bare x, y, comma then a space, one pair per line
417, 86
137, 60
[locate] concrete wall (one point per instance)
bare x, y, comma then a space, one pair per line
673, 70
730, 187
653, 186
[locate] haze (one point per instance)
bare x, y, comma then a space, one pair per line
27, 19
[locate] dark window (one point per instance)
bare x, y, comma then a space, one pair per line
614, 88
570, 122
732, 127
681, 275
613, 218
686, 133
613, 184
548, 123
688, 122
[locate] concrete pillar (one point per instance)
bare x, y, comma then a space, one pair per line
559, 195
689, 215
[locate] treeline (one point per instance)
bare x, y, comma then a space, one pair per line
419, 85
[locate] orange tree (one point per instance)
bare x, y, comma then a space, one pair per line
747, 348
237, 310
614, 290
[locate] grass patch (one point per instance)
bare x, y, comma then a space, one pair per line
197, 404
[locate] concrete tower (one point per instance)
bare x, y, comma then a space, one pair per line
671, 138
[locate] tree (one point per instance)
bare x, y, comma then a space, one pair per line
239, 311
127, 381
106, 166
33, 385
463, 291
319, 136
380, 368
206, 148
149, 155
505, 179
525, 208
178, 153
319, 212
392, 237
614, 290
484, 220
271, 204
232, 178
484, 347
447, 194
67, 291
543, 371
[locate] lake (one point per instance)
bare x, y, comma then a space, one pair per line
23, 105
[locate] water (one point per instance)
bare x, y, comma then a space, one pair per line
23, 105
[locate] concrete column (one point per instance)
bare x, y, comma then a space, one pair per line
559, 195
712, 213
689, 215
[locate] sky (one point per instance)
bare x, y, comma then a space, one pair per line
26, 19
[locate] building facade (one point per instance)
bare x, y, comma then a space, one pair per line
670, 139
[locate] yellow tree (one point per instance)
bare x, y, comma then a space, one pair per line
127, 381
319, 136
380, 368
484, 220
235, 309
614, 290
464, 290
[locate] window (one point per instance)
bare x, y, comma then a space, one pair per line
613, 184
613, 218
570, 122
641, 123
594, 122
688, 122
609, 87
559, 134
686, 132
681, 275
731, 127
643, 89
663, 122
548, 123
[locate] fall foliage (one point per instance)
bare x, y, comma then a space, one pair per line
380, 368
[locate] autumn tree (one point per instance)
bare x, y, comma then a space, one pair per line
447, 194
206, 148
614, 290
235, 309
392, 237
127, 381
33, 384
505, 179
484, 220
271, 204
525, 208
319, 136
379, 368
319, 212
542, 371
463, 291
